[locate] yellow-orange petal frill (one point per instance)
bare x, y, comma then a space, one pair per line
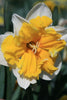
41, 22
11, 51
45, 61
51, 42
29, 33
27, 65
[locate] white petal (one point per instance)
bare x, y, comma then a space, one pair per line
59, 29
39, 10
33, 81
2, 59
17, 23
64, 37
23, 82
46, 76
15, 72
61, 22
9, 33
58, 64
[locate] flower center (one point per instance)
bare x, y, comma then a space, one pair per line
32, 45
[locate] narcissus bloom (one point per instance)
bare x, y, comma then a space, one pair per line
32, 50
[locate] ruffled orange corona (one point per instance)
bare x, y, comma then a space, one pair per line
34, 49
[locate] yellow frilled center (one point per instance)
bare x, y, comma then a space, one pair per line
34, 49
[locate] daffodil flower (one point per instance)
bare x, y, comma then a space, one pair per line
32, 51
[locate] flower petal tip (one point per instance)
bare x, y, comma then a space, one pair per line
39, 9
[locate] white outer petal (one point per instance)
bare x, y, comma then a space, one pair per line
39, 10
15, 72
33, 81
2, 59
46, 76
58, 64
23, 82
59, 29
64, 37
17, 23
61, 21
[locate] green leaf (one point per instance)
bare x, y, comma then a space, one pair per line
16, 94
64, 69
55, 16
28, 94
2, 81
10, 84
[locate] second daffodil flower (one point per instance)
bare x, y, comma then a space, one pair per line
32, 50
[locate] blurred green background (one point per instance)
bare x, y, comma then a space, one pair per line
43, 90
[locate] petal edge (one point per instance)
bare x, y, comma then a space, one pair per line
17, 23
38, 10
